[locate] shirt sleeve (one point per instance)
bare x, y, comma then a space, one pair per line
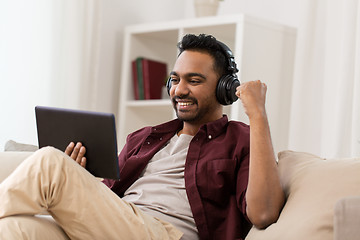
242, 182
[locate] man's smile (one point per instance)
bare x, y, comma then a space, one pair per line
184, 104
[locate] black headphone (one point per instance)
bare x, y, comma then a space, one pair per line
227, 84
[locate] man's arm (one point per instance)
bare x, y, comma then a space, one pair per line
264, 196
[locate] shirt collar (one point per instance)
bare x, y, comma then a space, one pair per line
213, 128
168, 127
216, 127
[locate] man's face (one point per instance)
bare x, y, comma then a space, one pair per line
193, 88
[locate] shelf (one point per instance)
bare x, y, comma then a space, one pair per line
148, 103
263, 50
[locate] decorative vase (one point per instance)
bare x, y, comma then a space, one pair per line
206, 7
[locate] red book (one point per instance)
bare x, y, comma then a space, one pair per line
154, 78
135, 80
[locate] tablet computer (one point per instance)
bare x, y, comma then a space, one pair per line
58, 127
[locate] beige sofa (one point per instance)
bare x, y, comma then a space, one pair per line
323, 197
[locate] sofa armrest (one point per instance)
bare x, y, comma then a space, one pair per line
9, 161
347, 218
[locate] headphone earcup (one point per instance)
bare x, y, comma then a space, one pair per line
226, 89
168, 85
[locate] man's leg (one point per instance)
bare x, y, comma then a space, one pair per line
84, 207
31, 227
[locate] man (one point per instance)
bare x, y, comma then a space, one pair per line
201, 174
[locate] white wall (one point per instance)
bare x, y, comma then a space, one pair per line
25, 47
286, 12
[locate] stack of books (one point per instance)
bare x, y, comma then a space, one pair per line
149, 77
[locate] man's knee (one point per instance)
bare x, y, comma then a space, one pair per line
48, 151
48, 154
48, 160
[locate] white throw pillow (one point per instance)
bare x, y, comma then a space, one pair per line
19, 147
312, 186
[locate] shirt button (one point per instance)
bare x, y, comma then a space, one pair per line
209, 136
148, 143
160, 138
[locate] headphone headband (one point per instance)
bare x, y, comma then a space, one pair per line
229, 56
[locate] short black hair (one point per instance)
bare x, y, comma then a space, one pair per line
208, 44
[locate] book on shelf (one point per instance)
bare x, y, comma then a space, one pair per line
135, 80
149, 77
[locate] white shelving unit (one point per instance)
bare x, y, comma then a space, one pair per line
262, 50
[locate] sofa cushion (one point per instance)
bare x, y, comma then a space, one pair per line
347, 218
312, 186
19, 147
9, 161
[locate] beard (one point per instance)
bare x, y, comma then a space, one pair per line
195, 115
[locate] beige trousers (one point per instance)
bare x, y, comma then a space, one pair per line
82, 206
